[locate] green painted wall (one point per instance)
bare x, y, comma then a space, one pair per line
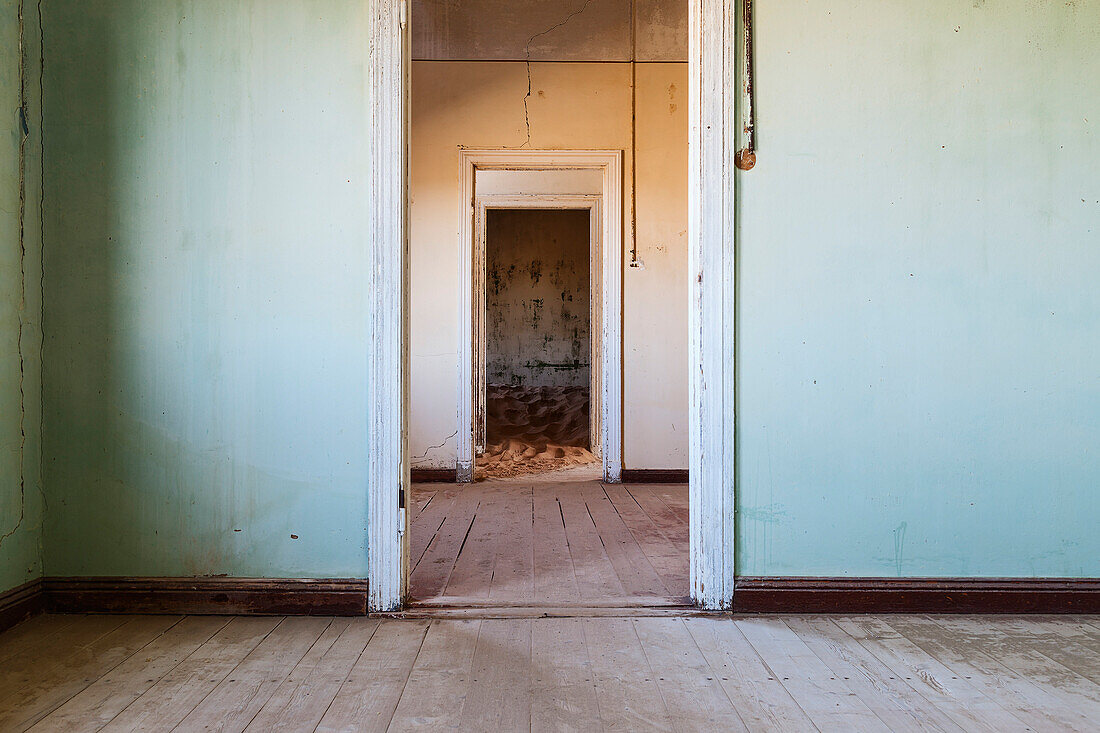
919, 388
205, 314
919, 313
20, 307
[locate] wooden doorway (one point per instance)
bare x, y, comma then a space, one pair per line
606, 281
716, 44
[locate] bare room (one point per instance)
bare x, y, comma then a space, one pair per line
538, 365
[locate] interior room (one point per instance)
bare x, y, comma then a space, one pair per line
538, 345
543, 415
523, 365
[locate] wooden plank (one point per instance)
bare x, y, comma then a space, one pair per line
596, 577
626, 688
668, 559
237, 698
513, 568
436, 691
954, 696
693, 695
176, 694
1007, 675
1057, 640
1090, 621
368, 697
675, 528
499, 695
426, 525
302, 698
34, 659
563, 693
1061, 663
897, 704
33, 632
430, 577
473, 569
50, 685
631, 565
825, 699
554, 579
756, 692
422, 495
101, 701
674, 497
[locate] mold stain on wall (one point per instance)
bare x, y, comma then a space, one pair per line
537, 303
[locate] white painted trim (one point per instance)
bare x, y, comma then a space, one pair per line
712, 109
387, 282
592, 203
609, 162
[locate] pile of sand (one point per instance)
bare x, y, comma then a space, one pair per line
534, 429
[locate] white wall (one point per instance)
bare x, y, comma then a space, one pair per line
572, 105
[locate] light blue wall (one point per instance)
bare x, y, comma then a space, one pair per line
205, 306
919, 345
919, 389
20, 306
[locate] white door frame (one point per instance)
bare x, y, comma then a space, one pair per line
606, 282
714, 106
592, 203
387, 282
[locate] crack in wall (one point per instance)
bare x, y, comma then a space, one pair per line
433, 447
24, 136
527, 54
24, 132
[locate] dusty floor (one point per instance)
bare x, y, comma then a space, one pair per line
557, 538
792, 673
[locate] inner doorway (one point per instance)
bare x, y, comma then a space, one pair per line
535, 348
562, 180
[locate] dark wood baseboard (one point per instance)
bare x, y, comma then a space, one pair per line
21, 603
270, 596
250, 596
655, 476
433, 475
916, 595
629, 475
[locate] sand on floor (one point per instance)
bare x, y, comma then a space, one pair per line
532, 430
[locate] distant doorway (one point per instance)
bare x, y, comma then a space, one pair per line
594, 358
535, 350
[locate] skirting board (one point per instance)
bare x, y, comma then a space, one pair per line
264, 596
629, 475
433, 475
250, 596
655, 476
916, 595
20, 603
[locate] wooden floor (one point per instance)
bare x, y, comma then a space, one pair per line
794, 673
549, 541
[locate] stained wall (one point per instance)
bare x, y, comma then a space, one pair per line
917, 381
918, 356
206, 309
537, 298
